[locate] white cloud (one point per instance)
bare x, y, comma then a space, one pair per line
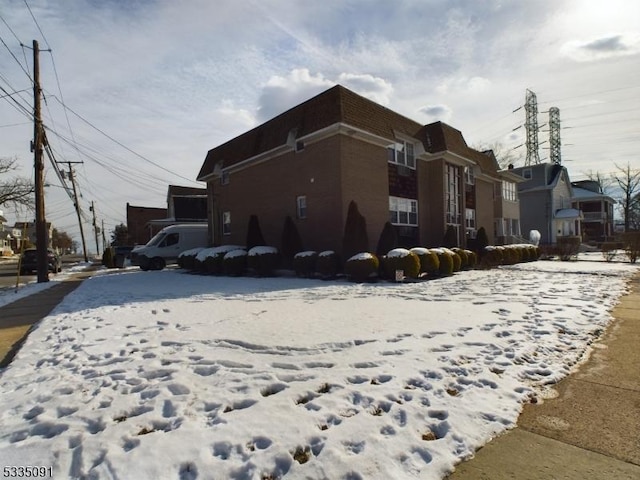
613, 45
373, 88
282, 93
436, 112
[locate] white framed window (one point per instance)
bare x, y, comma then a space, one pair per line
469, 175
224, 178
453, 196
402, 153
226, 223
403, 211
470, 218
301, 206
509, 191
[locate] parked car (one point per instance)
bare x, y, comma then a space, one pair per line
29, 261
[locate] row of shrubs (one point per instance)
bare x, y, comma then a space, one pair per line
399, 263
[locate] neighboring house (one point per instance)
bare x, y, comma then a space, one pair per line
311, 161
5, 237
184, 205
138, 226
26, 232
546, 198
187, 204
596, 208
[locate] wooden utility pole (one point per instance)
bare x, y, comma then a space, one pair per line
95, 228
104, 240
77, 205
42, 242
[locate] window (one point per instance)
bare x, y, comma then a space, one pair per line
526, 173
470, 222
301, 203
224, 178
470, 218
402, 153
469, 175
509, 191
403, 211
452, 194
226, 223
171, 239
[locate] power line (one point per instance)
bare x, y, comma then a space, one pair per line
121, 144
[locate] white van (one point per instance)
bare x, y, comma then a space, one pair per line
164, 248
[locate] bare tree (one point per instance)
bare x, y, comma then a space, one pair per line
605, 183
628, 180
15, 191
505, 156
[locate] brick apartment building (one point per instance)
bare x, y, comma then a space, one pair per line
311, 161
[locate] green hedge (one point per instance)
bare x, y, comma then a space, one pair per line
327, 264
401, 259
235, 262
263, 260
362, 267
304, 263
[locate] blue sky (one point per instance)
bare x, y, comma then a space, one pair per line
170, 80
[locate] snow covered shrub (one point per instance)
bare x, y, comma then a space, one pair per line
492, 256
213, 257
445, 258
401, 259
304, 263
327, 264
510, 255
187, 258
429, 262
472, 258
464, 258
457, 261
361, 267
263, 260
235, 262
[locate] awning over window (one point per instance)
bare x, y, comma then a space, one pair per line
568, 214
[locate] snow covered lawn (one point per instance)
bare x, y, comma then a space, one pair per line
172, 375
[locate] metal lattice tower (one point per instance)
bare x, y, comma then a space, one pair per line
531, 128
554, 135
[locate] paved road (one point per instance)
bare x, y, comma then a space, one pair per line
9, 269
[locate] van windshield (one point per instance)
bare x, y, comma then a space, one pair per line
156, 239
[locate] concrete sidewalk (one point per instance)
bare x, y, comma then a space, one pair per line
17, 317
590, 430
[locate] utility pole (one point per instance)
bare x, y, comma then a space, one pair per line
95, 228
77, 206
37, 147
104, 240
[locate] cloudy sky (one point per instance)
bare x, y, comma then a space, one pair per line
150, 85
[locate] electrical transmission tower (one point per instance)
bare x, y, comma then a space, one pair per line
554, 135
531, 128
